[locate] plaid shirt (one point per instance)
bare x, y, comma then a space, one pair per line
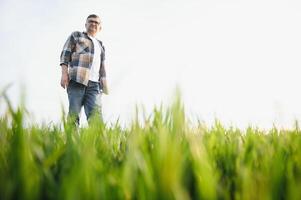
77, 54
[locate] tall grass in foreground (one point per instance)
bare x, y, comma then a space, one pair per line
161, 158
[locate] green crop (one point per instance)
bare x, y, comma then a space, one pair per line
160, 157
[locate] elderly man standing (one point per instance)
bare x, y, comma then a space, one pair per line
83, 69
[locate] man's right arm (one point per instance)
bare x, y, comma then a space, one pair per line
65, 76
65, 59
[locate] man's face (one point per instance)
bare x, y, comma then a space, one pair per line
93, 25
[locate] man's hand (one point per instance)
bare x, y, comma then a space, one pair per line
105, 89
65, 77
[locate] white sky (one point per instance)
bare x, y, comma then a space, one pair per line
237, 61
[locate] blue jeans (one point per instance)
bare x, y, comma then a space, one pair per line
80, 95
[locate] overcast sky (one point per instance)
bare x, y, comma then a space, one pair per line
237, 61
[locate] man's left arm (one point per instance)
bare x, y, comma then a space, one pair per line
103, 79
102, 73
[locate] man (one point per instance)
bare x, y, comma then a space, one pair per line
83, 69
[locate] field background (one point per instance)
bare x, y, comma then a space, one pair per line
238, 61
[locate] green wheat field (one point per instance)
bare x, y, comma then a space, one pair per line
160, 157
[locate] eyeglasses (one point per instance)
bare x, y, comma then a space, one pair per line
95, 22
